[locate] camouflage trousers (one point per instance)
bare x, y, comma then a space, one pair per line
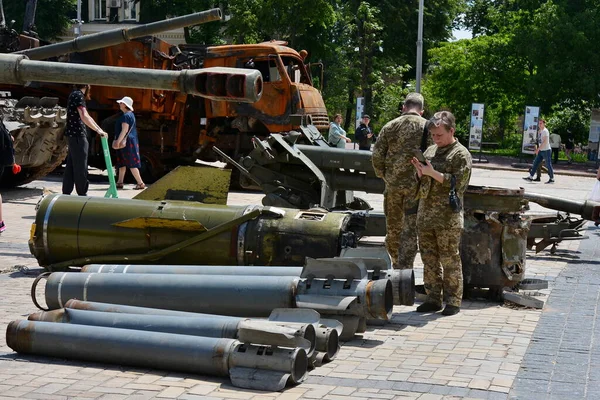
400, 210
442, 268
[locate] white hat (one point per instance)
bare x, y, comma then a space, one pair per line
128, 101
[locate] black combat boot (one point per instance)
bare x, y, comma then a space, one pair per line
429, 307
450, 310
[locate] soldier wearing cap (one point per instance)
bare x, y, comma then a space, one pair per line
363, 134
392, 154
440, 220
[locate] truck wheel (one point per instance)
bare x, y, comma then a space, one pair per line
152, 169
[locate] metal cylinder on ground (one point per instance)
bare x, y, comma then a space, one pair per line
325, 341
194, 354
245, 330
253, 296
250, 297
76, 230
403, 281
192, 269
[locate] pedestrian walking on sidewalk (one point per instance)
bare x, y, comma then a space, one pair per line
543, 152
126, 145
555, 142
569, 146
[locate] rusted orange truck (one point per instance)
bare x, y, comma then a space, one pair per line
176, 129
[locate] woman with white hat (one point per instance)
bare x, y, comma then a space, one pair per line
126, 144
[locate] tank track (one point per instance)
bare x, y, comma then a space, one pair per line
37, 127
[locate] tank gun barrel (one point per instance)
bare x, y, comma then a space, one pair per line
121, 35
588, 210
217, 83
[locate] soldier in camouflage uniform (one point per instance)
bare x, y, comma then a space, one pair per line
440, 225
392, 154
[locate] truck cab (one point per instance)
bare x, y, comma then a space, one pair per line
289, 98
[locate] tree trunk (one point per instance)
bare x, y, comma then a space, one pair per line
367, 87
350, 106
2, 19
29, 20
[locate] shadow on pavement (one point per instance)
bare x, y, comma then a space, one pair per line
363, 343
20, 193
569, 261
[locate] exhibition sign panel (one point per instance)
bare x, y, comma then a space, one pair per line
530, 129
595, 126
476, 127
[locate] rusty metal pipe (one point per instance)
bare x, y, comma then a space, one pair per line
116, 36
217, 83
246, 330
194, 354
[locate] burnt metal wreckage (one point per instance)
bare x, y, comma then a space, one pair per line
33, 114
497, 232
179, 233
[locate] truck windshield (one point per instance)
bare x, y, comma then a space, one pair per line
295, 70
266, 66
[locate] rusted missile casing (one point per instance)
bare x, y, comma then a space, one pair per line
186, 353
403, 281
74, 230
253, 296
216, 83
326, 341
246, 330
116, 36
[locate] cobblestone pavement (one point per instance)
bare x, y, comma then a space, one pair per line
487, 351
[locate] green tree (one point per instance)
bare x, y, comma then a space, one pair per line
53, 17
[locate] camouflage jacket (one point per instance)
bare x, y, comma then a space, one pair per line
394, 149
434, 207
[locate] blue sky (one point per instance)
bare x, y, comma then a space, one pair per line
462, 34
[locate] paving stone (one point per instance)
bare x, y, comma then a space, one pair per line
485, 342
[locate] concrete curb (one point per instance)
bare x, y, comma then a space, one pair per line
513, 169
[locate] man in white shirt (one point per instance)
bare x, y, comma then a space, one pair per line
543, 152
555, 145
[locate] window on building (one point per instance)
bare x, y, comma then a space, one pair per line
130, 10
99, 9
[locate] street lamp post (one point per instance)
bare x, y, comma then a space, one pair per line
420, 47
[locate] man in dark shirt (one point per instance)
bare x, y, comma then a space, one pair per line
76, 133
363, 134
